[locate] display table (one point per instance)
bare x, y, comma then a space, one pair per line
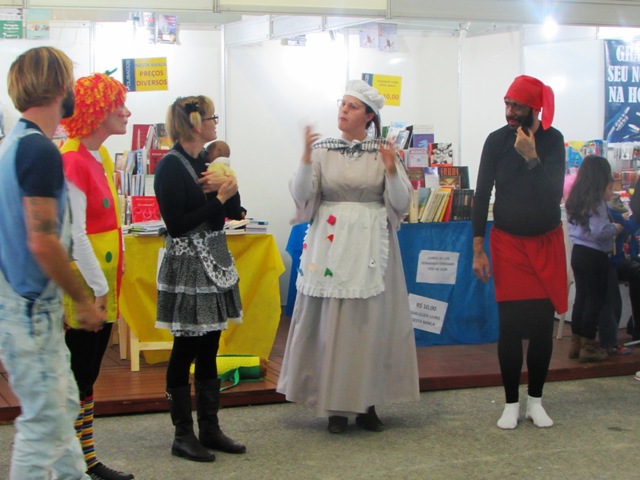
472, 312
259, 265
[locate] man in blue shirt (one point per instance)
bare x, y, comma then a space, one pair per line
34, 264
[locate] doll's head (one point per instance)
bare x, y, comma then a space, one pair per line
217, 149
217, 154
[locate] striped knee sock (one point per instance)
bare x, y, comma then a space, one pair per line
79, 419
88, 448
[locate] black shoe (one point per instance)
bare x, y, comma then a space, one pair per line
101, 472
337, 424
370, 421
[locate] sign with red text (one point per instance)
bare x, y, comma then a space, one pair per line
145, 74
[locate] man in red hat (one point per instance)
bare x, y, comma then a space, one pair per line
524, 161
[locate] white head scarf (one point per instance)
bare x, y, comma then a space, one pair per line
365, 93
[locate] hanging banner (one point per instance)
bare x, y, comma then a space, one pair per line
145, 74
622, 91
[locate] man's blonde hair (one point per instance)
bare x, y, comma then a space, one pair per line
39, 76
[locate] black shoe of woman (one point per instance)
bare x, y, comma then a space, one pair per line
370, 421
337, 424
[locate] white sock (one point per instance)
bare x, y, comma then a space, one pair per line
537, 414
509, 418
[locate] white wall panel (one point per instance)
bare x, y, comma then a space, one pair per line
575, 71
489, 65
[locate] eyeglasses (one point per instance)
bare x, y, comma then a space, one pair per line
350, 105
213, 117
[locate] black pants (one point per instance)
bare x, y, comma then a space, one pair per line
629, 271
203, 350
591, 273
87, 350
520, 320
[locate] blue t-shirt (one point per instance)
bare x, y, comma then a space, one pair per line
39, 165
38, 173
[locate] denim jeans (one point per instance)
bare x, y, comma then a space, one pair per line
33, 351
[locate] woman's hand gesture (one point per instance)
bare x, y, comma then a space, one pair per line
310, 137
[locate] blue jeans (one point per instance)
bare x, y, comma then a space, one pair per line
33, 351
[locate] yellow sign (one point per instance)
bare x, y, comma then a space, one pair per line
145, 74
387, 85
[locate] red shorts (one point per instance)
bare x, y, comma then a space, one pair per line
526, 268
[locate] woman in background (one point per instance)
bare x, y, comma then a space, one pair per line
97, 238
197, 282
593, 235
351, 344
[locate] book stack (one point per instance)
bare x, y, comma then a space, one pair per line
257, 226
151, 228
247, 225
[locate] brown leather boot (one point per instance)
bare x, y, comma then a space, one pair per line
589, 351
574, 348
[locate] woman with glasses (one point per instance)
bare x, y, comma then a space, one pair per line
197, 281
351, 344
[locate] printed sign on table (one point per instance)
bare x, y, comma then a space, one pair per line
436, 266
427, 314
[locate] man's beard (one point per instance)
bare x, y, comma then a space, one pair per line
524, 121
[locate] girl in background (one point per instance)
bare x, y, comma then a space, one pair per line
593, 234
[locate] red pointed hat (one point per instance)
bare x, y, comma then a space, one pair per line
533, 93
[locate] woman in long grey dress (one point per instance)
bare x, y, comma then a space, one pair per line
351, 344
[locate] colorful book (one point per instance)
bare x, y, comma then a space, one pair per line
441, 153
144, 209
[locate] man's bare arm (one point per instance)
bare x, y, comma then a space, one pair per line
43, 242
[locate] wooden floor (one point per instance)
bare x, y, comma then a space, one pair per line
120, 391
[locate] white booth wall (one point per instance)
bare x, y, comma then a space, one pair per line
271, 91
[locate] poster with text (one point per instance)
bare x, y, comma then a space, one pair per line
145, 74
11, 23
388, 86
38, 23
622, 91
427, 314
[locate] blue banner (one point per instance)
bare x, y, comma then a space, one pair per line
622, 91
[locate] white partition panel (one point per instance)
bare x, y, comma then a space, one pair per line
73, 38
489, 65
575, 71
428, 66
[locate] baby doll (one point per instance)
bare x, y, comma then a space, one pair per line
218, 153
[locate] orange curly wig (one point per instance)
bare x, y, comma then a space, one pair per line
97, 96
